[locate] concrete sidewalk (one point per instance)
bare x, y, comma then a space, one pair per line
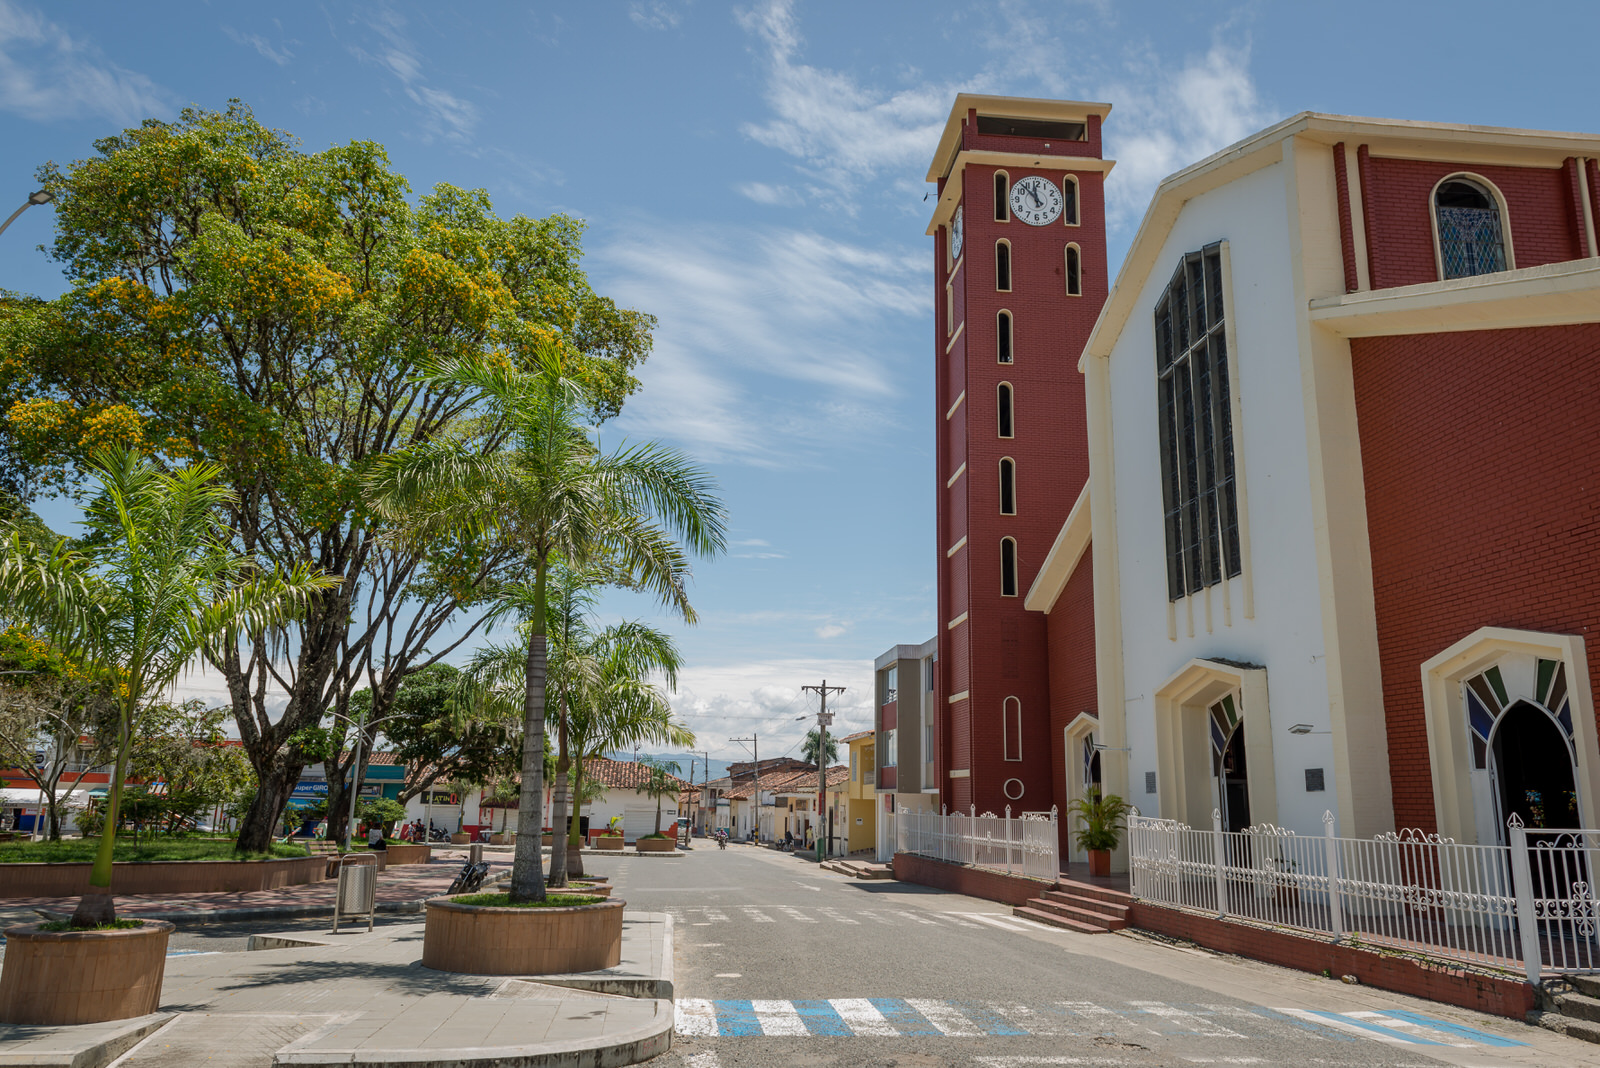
366, 999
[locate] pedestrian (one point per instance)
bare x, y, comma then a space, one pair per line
375, 837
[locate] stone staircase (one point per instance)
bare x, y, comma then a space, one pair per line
1079, 907
1571, 1005
859, 869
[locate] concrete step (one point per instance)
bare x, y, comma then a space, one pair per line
1099, 893
862, 869
1578, 1007
1553, 1021
1098, 920
1093, 904
1585, 984
1056, 921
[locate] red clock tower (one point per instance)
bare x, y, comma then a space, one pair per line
1019, 245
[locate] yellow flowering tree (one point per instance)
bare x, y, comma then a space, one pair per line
238, 301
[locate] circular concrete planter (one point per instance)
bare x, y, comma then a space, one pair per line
460, 838
78, 977
407, 853
609, 841
587, 889
483, 940
656, 845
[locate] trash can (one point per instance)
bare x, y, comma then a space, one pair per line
358, 888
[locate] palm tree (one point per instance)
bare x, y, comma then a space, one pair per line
660, 782
552, 494
808, 749
155, 586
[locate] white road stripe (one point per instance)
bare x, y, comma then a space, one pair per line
1190, 1022
696, 1018
716, 916
778, 1018
957, 919
862, 1017
914, 918
945, 1017
994, 921
1034, 1023
838, 917
796, 914
1101, 1017
874, 917
1346, 1025
707, 1059
757, 915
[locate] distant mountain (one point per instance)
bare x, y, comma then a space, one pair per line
719, 768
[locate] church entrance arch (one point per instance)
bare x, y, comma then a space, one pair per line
1214, 745
1534, 772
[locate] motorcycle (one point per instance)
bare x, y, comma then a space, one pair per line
722, 839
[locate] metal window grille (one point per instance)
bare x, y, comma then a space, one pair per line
1195, 414
1470, 241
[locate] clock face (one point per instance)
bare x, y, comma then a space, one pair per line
957, 236
1035, 200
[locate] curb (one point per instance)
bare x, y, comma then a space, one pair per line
414, 907
630, 1047
98, 1054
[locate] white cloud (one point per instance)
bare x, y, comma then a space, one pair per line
771, 341
279, 54
763, 193
656, 14
46, 75
761, 542
444, 114
764, 698
841, 130
830, 630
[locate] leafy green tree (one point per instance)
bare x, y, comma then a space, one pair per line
661, 781
551, 495
239, 301
809, 747
183, 747
156, 586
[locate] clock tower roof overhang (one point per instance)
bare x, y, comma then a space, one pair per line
1010, 107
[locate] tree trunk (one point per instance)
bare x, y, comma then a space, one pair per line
527, 867
338, 802
98, 907
574, 835
558, 807
260, 823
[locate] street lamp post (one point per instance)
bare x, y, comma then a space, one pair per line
40, 197
355, 769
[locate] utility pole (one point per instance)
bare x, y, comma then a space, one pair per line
755, 751
823, 722
707, 787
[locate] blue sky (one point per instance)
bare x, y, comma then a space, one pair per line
753, 175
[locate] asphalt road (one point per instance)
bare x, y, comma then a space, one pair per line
781, 963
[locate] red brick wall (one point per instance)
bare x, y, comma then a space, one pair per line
1404, 975
1072, 680
1002, 650
1396, 194
974, 882
1483, 506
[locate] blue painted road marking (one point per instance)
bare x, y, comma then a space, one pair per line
928, 1018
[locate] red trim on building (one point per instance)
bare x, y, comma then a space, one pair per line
1347, 240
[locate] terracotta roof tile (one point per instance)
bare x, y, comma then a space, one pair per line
621, 774
857, 736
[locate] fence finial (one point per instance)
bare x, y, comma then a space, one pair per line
1008, 812
1514, 821
1054, 811
1327, 817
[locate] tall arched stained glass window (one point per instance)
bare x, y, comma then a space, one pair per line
1471, 231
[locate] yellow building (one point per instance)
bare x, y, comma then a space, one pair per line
861, 792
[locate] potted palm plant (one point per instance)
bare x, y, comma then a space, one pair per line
1099, 833
155, 585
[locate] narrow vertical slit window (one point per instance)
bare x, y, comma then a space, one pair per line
1002, 196
1074, 272
1002, 266
1069, 200
1004, 402
1003, 337
1011, 726
1195, 423
1008, 486
1008, 567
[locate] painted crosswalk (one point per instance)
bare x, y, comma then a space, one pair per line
932, 1018
705, 915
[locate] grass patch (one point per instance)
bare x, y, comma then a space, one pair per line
114, 925
556, 900
82, 850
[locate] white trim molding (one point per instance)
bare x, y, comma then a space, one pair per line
1183, 740
1062, 560
1450, 748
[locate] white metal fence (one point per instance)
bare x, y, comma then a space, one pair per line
1528, 906
1024, 845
